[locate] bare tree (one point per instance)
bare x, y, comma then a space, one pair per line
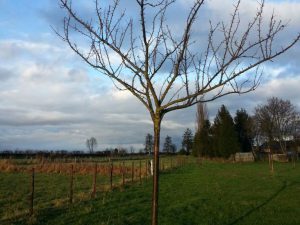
91, 144
277, 121
167, 69
201, 116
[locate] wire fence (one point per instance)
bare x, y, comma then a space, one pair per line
27, 188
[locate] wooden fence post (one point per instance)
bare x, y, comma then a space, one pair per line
71, 184
111, 175
132, 172
140, 172
123, 174
146, 167
94, 182
32, 192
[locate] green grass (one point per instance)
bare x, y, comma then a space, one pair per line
212, 193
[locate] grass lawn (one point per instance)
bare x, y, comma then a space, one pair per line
211, 193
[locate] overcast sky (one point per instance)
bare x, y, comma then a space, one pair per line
49, 99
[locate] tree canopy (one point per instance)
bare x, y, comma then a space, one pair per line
278, 120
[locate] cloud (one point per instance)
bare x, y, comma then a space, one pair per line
53, 101
6, 74
284, 88
49, 99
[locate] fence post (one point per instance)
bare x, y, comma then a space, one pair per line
123, 174
132, 172
111, 175
71, 184
140, 172
146, 165
32, 192
94, 182
171, 163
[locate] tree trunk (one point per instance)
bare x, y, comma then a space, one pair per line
294, 159
157, 123
270, 156
272, 161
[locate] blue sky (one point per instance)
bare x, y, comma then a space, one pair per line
22, 17
49, 99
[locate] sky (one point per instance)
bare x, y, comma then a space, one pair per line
51, 100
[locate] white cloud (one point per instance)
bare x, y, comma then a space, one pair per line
50, 99
121, 95
285, 10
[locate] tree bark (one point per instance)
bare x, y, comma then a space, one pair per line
157, 124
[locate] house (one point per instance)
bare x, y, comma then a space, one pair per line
291, 147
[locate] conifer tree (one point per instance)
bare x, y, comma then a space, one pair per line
243, 127
203, 141
225, 137
168, 145
187, 141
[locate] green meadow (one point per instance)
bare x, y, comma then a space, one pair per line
210, 193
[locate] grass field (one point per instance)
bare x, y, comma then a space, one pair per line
211, 193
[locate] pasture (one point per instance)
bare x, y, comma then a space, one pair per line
210, 193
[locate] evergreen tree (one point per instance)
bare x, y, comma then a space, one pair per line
202, 141
168, 145
225, 137
187, 141
173, 148
148, 144
243, 127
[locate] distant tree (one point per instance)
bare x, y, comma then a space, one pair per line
173, 148
202, 145
115, 152
124, 151
187, 141
91, 144
182, 152
243, 126
257, 137
168, 145
277, 120
149, 144
201, 116
201, 138
225, 137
